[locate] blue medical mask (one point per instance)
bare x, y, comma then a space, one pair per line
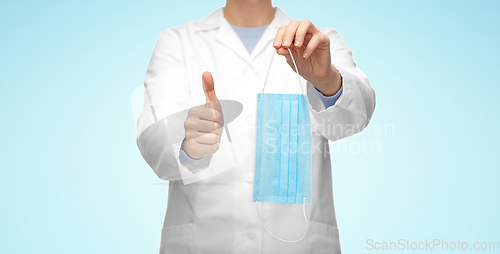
283, 150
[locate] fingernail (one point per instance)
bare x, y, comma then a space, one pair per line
276, 43
306, 55
285, 43
297, 43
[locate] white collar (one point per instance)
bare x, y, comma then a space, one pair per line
216, 18
226, 35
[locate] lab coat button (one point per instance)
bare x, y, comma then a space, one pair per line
251, 234
249, 179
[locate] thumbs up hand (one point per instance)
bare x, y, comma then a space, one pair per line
203, 126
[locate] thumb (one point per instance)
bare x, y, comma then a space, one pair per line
212, 101
208, 87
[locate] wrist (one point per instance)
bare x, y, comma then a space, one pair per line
186, 151
330, 84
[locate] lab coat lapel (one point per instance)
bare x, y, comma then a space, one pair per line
280, 19
265, 41
228, 37
262, 53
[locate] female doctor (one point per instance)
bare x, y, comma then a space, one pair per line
198, 127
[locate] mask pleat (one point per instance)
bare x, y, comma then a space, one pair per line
304, 160
269, 165
292, 160
283, 151
258, 149
285, 136
271, 156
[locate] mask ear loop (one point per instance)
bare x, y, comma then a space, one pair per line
257, 201
296, 70
286, 241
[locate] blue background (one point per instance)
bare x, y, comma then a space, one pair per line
72, 179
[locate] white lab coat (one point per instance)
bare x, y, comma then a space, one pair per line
216, 214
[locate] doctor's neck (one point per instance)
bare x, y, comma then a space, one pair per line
249, 13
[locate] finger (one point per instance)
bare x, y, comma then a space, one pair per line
304, 27
205, 113
283, 52
306, 40
208, 126
289, 35
313, 44
208, 86
209, 115
278, 39
205, 150
208, 139
202, 125
286, 53
216, 108
193, 134
212, 101
199, 150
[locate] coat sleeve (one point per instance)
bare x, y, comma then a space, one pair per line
354, 109
160, 127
